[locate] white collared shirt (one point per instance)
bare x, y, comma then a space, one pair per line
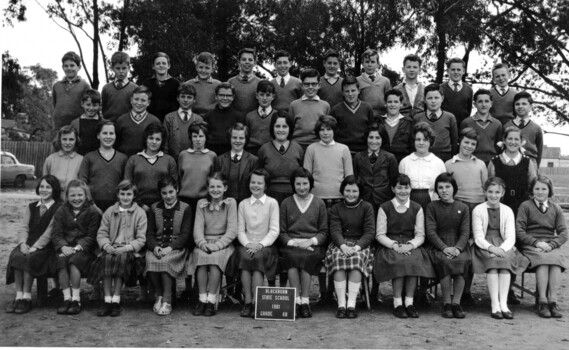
422, 171
393, 122
517, 159
47, 204
182, 111
239, 155
399, 207
263, 198
517, 120
375, 75
286, 79
438, 113
545, 204
267, 109
411, 92
456, 158
305, 98
451, 84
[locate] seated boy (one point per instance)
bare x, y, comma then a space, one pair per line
306, 110
412, 90
353, 117
372, 84
458, 95
86, 124
245, 83
116, 94
442, 122
287, 87
258, 121
532, 135
130, 126
204, 84
330, 89
502, 95
68, 92
177, 123
488, 128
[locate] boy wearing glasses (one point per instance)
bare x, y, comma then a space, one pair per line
221, 118
306, 110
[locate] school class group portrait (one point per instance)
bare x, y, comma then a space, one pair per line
251, 182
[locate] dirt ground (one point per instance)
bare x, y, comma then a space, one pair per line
138, 326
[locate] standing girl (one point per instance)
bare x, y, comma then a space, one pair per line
169, 230
65, 162
163, 87
541, 230
303, 235
257, 230
121, 236
493, 227
34, 256
74, 238
448, 230
215, 229
401, 257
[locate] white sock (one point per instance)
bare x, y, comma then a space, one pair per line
211, 298
298, 300
116, 299
408, 301
340, 288
19, 295
353, 290
304, 300
203, 297
397, 302
67, 294
75, 294
28, 296
108, 299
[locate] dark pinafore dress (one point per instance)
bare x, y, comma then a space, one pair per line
516, 179
42, 261
388, 264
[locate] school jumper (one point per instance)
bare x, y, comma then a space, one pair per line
331, 93
87, 129
65, 167
145, 175
219, 121
67, 100
352, 124
459, 103
177, 138
489, 133
193, 168
533, 136
329, 165
470, 176
116, 101
503, 106
130, 133
285, 95
411, 108
400, 142
373, 92
237, 174
245, 99
259, 133
445, 132
205, 94
305, 113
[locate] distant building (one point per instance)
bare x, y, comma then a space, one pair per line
552, 158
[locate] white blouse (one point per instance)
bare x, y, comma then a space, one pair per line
422, 171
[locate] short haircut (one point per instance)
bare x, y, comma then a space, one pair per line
498, 66
266, 86
167, 181
160, 54
71, 56
401, 179
544, 180
350, 80
224, 85
413, 58
281, 53
523, 94
64, 130
350, 180
195, 128
238, 127
75, 183
469, 133
280, 114
120, 57
494, 181
309, 73
370, 53
152, 129
141, 89
425, 129
303, 173
433, 87
376, 126
91, 94
264, 174
102, 124
247, 50
482, 92
186, 89
456, 60
510, 129
328, 121
53, 182
446, 178
126, 185
206, 57
331, 53
395, 92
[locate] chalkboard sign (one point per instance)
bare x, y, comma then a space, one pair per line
275, 303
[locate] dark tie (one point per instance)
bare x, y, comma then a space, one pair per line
119, 84
185, 116
502, 91
43, 209
372, 77
522, 123
263, 113
455, 87
282, 82
541, 207
433, 116
282, 149
244, 78
373, 158
235, 158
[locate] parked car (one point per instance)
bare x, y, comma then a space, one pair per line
14, 172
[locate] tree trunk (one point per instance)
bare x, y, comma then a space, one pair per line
95, 84
441, 45
123, 25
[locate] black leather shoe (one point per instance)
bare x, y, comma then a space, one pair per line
447, 311
247, 310
105, 310
341, 312
544, 310
209, 309
351, 313
64, 309
305, 311
457, 311
497, 315
553, 309
199, 310
23, 306
115, 309
74, 308
399, 312
411, 311
508, 315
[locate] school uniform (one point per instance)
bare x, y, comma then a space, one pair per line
176, 124
259, 122
65, 167
457, 99
145, 172
503, 104
67, 96
164, 96
310, 222
169, 227
489, 133
305, 113
401, 224
350, 224
287, 89
331, 90
130, 129
413, 98
329, 164
375, 170
445, 132
193, 168
219, 121
400, 136
205, 94
115, 98
35, 232
495, 227
245, 99
470, 175
237, 171
547, 225
87, 129
423, 172
372, 90
532, 137
352, 124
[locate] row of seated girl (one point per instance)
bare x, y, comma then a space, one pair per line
63, 237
